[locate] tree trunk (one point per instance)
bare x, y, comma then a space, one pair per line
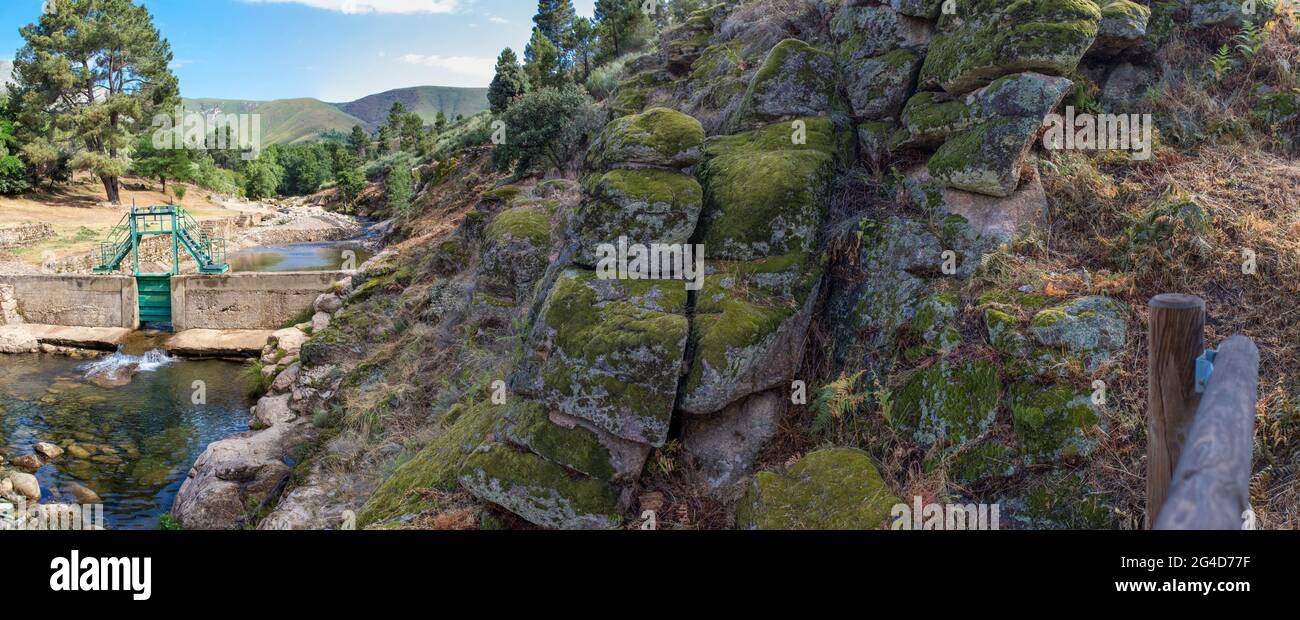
164, 183
111, 189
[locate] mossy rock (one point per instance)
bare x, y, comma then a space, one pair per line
436, 466
1053, 424
609, 352
1123, 26
831, 489
980, 464
516, 251
947, 404
659, 137
796, 80
992, 38
879, 86
1093, 328
934, 322
930, 119
1004, 333
765, 195
646, 206
1205, 13
503, 194
861, 31
1062, 500
585, 451
636, 93
925, 9
987, 158
538, 490
748, 333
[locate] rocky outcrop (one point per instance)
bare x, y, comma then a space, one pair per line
833, 489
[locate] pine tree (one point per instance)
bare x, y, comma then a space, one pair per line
510, 82
543, 62
555, 19
359, 142
103, 66
619, 23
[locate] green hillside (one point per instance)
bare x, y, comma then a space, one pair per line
426, 101
288, 121
284, 121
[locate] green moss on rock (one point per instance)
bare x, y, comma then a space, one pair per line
831, 489
658, 137
538, 490
647, 206
796, 80
947, 404
1052, 424
765, 195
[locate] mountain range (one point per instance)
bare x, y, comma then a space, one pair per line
288, 121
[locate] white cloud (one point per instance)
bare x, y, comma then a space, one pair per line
353, 7
498, 20
466, 65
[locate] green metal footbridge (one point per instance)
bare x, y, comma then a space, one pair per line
155, 291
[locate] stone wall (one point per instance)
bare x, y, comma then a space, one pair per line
77, 301
24, 234
247, 300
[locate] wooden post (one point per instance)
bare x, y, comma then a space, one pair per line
1211, 486
1176, 337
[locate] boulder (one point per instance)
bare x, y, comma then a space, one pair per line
26, 485
831, 489
796, 80
609, 352
645, 206
751, 323
862, 30
1053, 424
515, 254
766, 191
329, 303
289, 340
320, 322
567, 442
988, 157
29, 462
82, 494
658, 137
1092, 328
988, 39
992, 220
879, 86
236, 475
948, 404
272, 410
48, 450
542, 492
1126, 86
1123, 27
1216, 12
725, 445
286, 379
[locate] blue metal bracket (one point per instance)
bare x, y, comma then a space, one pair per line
1204, 368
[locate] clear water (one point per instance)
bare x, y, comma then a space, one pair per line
141, 437
326, 256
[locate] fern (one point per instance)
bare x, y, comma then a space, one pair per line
1221, 62
1250, 41
835, 403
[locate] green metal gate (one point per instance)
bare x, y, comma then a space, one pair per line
155, 293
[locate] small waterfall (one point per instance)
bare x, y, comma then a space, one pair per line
118, 369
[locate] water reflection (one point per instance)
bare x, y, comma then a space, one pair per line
326, 256
130, 445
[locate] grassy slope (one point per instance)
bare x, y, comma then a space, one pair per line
426, 101
287, 121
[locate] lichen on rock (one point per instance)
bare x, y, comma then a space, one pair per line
831, 489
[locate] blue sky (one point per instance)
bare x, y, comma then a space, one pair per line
335, 50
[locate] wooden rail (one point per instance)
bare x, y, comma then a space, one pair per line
1199, 445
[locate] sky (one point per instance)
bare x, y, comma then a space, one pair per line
333, 50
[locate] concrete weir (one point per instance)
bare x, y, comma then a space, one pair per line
227, 315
